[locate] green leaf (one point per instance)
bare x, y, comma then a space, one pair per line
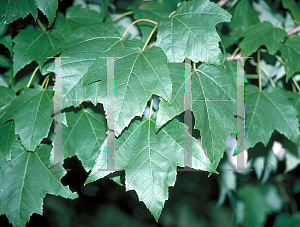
16, 9
150, 166
138, 75
290, 52
264, 197
25, 180
100, 166
191, 32
33, 44
287, 220
266, 111
7, 95
84, 135
49, 8
295, 100
83, 47
5, 62
76, 17
31, 111
243, 16
7, 42
292, 155
155, 11
261, 34
293, 7
104, 7
213, 93
7, 139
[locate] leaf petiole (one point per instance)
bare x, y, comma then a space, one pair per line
259, 69
151, 105
34, 72
122, 15
149, 38
151, 21
46, 80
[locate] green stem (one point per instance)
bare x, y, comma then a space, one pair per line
34, 72
151, 106
151, 21
41, 25
46, 80
235, 51
259, 69
296, 84
122, 15
149, 38
279, 59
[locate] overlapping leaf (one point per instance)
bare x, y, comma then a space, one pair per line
138, 75
33, 44
84, 135
290, 52
150, 166
7, 139
17, 9
31, 112
25, 180
243, 15
7, 131
104, 8
191, 32
83, 47
7, 95
261, 34
75, 17
155, 11
266, 111
213, 106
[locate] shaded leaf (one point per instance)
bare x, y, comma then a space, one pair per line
49, 8
25, 180
290, 52
138, 75
155, 11
75, 17
7, 139
293, 7
104, 7
7, 42
213, 105
83, 47
84, 135
33, 44
191, 32
243, 16
266, 197
261, 34
17, 9
150, 167
266, 111
7, 95
31, 111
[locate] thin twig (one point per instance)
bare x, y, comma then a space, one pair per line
294, 30
222, 2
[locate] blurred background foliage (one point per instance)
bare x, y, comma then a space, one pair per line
268, 195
